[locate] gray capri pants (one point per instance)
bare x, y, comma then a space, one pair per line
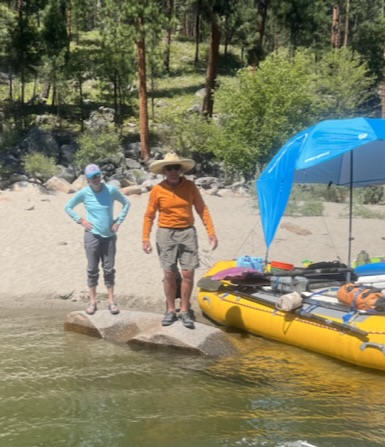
98, 249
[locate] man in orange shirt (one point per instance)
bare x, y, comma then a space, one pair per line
176, 238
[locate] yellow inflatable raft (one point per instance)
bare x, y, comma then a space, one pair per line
318, 324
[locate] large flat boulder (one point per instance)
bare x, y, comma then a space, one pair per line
144, 328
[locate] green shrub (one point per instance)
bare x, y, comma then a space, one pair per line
359, 210
39, 166
9, 136
4, 172
96, 147
369, 196
308, 208
321, 192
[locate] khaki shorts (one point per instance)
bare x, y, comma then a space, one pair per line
177, 245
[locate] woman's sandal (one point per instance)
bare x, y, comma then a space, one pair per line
91, 309
114, 309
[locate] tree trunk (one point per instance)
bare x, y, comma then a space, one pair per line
276, 44
21, 27
212, 66
46, 89
116, 100
197, 32
143, 112
34, 87
226, 41
262, 12
335, 35
185, 25
54, 95
10, 85
68, 13
152, 81
169, 14
22, 80
81, 104
255, 54
346, 30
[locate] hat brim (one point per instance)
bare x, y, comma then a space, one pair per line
157, 166
93, 174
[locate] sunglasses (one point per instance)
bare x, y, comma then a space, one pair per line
95, 176
172, 168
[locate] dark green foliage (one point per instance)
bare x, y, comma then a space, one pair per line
307, 23
84, 53
54, 31
4, 172
368, 34
85, 15
97, 146
24, 47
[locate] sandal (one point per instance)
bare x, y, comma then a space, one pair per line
114, 309
91, 309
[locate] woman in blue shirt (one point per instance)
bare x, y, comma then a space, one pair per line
100, 231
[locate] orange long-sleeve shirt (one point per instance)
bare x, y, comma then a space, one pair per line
174, 206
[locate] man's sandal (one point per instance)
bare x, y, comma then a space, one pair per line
113, 308
91, 309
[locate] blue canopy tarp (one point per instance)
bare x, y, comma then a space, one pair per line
347, 152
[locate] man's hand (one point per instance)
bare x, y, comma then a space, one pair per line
147, 248
213, 242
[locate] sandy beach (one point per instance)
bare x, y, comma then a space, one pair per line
43, 262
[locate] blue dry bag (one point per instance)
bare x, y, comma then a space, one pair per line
250, 262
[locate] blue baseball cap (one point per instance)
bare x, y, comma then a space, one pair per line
92, 170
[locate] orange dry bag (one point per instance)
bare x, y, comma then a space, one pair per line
361, 297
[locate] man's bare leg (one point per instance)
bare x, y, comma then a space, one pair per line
169, 287
186, 289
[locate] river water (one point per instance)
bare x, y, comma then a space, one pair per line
60, 388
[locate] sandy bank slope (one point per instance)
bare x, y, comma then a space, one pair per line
42, 253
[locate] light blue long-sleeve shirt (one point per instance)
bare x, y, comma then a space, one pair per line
99, 208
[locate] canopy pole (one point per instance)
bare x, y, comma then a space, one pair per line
348, 276
266, 259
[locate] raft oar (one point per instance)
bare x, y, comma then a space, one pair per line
240, 274
212, 285
311, 272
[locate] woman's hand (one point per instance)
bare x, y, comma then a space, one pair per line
115, 227
85, 224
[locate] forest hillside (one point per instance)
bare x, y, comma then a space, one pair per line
224, 82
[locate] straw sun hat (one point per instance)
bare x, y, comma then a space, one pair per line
171, 158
